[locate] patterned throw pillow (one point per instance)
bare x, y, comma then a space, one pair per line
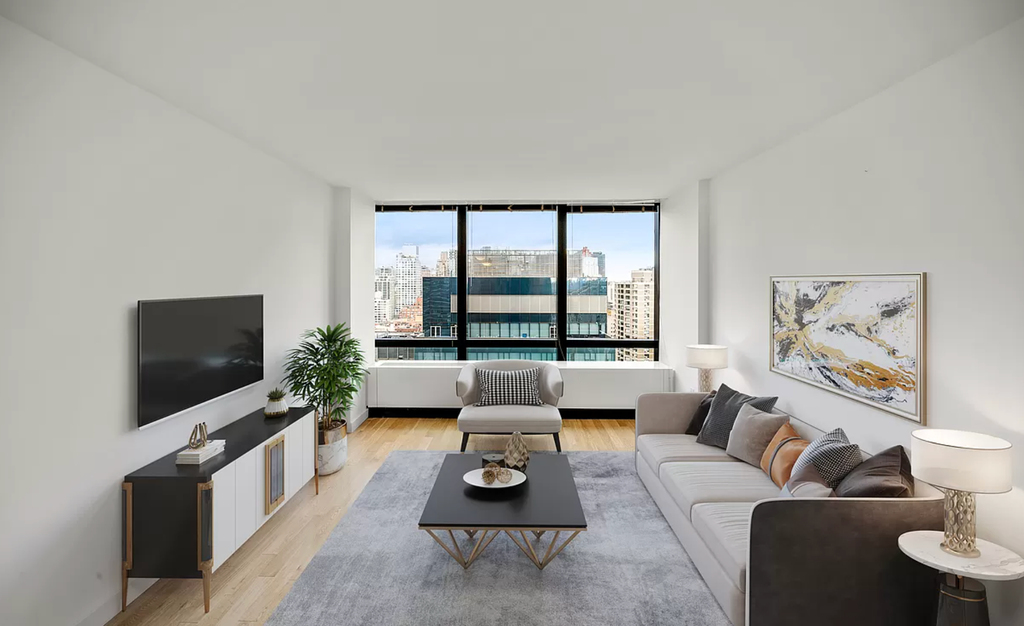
509, 387
832, 455
724, 409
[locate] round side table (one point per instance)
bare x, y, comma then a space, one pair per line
963, 602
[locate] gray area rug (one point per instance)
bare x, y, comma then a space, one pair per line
377, 568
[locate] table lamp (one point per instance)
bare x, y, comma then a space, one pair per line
706, 357
961, 464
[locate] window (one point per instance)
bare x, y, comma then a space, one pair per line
611, 268
541, 282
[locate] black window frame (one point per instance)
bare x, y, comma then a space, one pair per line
563, 342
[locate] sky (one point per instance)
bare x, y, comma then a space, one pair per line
627, 239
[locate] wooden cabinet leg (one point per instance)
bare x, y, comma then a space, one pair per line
124, 587
207, 575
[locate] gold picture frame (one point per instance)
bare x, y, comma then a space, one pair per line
866, 341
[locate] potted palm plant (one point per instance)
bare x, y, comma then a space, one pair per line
326, 371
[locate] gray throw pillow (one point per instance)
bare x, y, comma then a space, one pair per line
807, 482
724, 409
832, 455
752, 432
885, 475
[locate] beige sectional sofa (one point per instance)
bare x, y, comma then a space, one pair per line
772, 561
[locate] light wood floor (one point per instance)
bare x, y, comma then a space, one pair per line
248, 587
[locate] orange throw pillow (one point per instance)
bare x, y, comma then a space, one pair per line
780, 455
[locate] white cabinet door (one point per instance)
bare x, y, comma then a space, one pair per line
293, 459
245, 497
223, 515
308, 447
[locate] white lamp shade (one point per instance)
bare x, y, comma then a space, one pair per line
956, 459
707, 357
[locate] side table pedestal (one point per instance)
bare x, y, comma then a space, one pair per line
962, 602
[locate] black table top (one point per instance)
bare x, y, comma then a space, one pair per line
239, 437
548, 498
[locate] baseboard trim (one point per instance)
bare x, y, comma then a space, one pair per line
358, 420
110, 608
453, 412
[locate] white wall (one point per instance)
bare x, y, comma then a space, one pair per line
684, 318
109, 195
353, 223
926, 176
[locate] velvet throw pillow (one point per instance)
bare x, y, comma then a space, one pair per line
781, 454
724, 409
832, 455
697, 421
752, 433
885, 475
509, 387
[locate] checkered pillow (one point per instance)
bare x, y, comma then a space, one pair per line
509, 387
832, 455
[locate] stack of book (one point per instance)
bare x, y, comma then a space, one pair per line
197, 456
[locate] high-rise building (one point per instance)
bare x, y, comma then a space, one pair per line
383, 295
408, 278
447, 263
631, 313
512, 294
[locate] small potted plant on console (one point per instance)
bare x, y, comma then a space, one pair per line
277, 406
326, 371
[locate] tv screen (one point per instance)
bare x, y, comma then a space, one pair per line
192, 351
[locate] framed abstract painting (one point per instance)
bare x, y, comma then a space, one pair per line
861, 336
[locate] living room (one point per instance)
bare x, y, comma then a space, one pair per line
634, 203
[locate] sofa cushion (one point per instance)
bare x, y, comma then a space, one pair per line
781, 454
725, 529
698, 482
833, 455
752, 433
885, 475
510, 418
499, 387
658, 449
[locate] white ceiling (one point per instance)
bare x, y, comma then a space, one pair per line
535, 99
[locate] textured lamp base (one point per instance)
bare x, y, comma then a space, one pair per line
704, 380
960, 537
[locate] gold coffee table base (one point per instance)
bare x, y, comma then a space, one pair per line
487, 535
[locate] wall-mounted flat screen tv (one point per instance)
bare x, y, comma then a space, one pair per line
194, 350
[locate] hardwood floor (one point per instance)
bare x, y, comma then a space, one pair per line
248, 587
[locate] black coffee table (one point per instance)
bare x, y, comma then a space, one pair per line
546, 503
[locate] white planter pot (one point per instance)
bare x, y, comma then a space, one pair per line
276, 408
331, 457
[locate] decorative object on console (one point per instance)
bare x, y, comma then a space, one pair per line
197, 439
861, 336
198, 456
961, 464
517, 455
724, 409
752, 432
277, 406
706, 357
700, 415
781, 454
833, 455
884, 475
326, 371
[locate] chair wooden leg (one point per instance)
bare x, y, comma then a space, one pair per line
465, 440
558, 443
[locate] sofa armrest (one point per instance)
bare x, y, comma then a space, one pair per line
836, 561
466, 387
665, 413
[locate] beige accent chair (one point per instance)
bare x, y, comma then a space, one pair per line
509, 418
